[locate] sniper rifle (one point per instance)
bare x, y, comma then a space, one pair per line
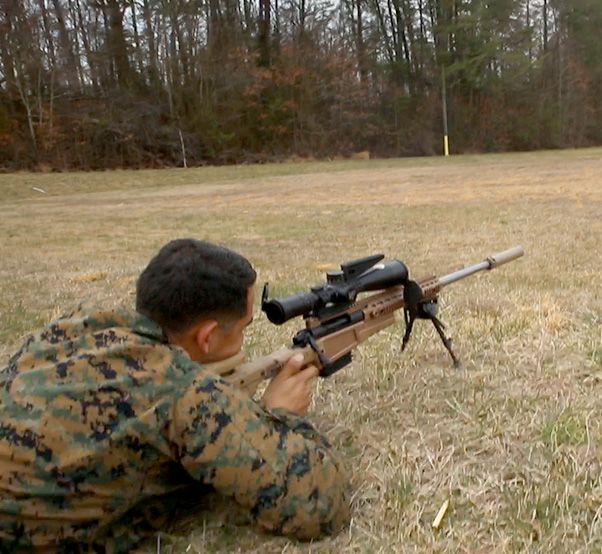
336, 321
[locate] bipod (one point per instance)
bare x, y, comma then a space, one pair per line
425, 310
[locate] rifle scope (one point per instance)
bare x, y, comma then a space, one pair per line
339, 290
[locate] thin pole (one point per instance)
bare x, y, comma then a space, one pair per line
445, 139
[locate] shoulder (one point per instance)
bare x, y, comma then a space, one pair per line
89, 319
110, 341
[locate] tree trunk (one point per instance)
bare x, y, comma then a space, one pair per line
117, 45
153, 72
265, 10
69, 61
81, 29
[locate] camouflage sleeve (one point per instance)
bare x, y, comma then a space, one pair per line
275, 462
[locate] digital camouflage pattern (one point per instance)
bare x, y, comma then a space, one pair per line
99, 415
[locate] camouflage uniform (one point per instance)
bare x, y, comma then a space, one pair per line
99, 415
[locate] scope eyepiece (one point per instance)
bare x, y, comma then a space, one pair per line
280, 310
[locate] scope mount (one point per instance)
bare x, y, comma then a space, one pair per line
334, 293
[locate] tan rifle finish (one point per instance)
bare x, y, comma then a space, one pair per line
378, 313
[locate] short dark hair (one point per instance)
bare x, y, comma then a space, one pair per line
191, 279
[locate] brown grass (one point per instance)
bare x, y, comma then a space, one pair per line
513, 440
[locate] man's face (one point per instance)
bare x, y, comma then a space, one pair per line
229, 338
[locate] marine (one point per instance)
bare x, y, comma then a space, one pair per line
105, 414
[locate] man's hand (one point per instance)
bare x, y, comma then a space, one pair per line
292, 388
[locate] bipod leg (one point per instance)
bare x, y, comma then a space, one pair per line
409, 319
446, 341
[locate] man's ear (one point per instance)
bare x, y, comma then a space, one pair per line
204, 335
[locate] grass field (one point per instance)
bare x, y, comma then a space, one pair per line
513, 440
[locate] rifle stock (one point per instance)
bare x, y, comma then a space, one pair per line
328, 342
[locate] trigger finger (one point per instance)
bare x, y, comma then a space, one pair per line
312, 371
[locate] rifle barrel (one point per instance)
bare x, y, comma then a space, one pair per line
491, 262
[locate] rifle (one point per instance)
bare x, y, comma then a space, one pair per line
336, 321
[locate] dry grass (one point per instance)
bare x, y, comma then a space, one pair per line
513, 440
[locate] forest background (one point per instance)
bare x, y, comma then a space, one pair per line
92, 84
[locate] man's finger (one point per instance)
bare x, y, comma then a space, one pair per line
309, 372
294, 365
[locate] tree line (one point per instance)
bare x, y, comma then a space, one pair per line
90, 84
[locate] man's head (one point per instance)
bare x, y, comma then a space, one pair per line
200, 294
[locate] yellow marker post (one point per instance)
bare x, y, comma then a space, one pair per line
444, 106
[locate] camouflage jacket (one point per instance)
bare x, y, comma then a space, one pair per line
98, 414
